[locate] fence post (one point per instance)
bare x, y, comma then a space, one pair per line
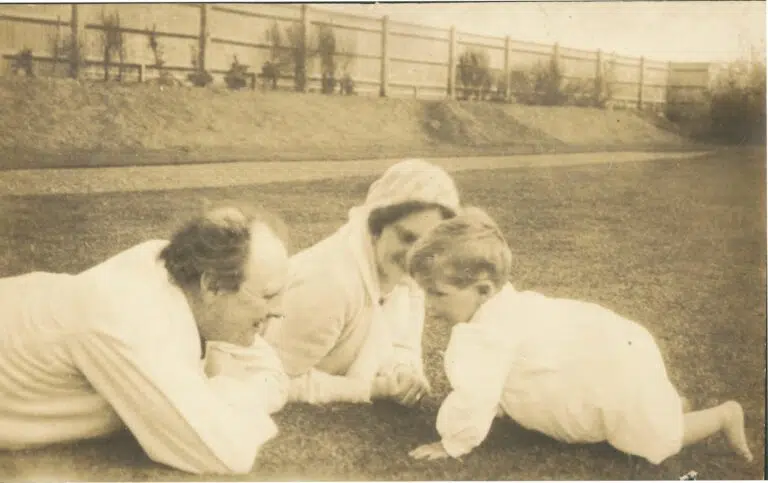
204, 38
507, 68
640, 83
384, 80
452, 63
598, 76
301, 80
78, 30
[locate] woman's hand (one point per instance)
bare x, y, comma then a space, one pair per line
403, 385
411, 388
383, 387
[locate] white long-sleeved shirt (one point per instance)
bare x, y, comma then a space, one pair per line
572, 370
337, 335
116, 345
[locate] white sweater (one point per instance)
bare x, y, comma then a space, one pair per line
84, 355
336, 336
573, 370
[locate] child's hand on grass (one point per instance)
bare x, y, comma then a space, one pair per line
431, 451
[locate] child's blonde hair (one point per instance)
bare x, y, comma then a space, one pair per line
461, 251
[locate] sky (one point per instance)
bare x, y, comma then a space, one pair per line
677, 31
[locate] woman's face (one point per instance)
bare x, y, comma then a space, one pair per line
396, 239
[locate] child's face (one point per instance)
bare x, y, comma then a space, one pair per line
455, 305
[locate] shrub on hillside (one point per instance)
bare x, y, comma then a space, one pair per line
545, 84
198, 77
579, 92
112, 43
737, 104
542, 84
548, 84
473, 74
237, 76
67, 51
603, 85
689, 109
287, 53
732, 110
23, 62
347, 85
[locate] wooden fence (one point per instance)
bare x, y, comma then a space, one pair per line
384, 57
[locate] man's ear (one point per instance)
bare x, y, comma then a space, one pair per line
484, 289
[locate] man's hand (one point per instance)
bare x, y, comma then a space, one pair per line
432, 451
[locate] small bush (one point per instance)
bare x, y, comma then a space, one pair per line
347, 85
499, 78
155, 47
473, 74
579, 92
543, 84
548, 83
326, 47
521, 86
270, 74
737, 104
65, 49
112, 43
731, 111
603, 95
287, 53
24, 63
688, 106
237, 77
200, 78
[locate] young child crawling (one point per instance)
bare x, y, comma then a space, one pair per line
572, 370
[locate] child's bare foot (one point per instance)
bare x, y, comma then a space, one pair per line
734, 429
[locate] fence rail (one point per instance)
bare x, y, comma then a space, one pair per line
397, 54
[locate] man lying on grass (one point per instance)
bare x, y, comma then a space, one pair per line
572, 370
120, 345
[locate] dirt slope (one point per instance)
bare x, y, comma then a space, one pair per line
54, 117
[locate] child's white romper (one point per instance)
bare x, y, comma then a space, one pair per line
573, 370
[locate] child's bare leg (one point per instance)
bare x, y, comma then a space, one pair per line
727, 417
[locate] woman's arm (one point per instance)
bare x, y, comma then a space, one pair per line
317, 307
408, 331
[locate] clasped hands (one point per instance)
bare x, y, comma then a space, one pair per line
402, 385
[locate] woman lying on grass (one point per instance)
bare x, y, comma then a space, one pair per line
353, 320
572, 370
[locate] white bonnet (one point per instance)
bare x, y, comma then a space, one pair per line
413, 180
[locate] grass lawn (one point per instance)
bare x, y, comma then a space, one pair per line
679, 246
